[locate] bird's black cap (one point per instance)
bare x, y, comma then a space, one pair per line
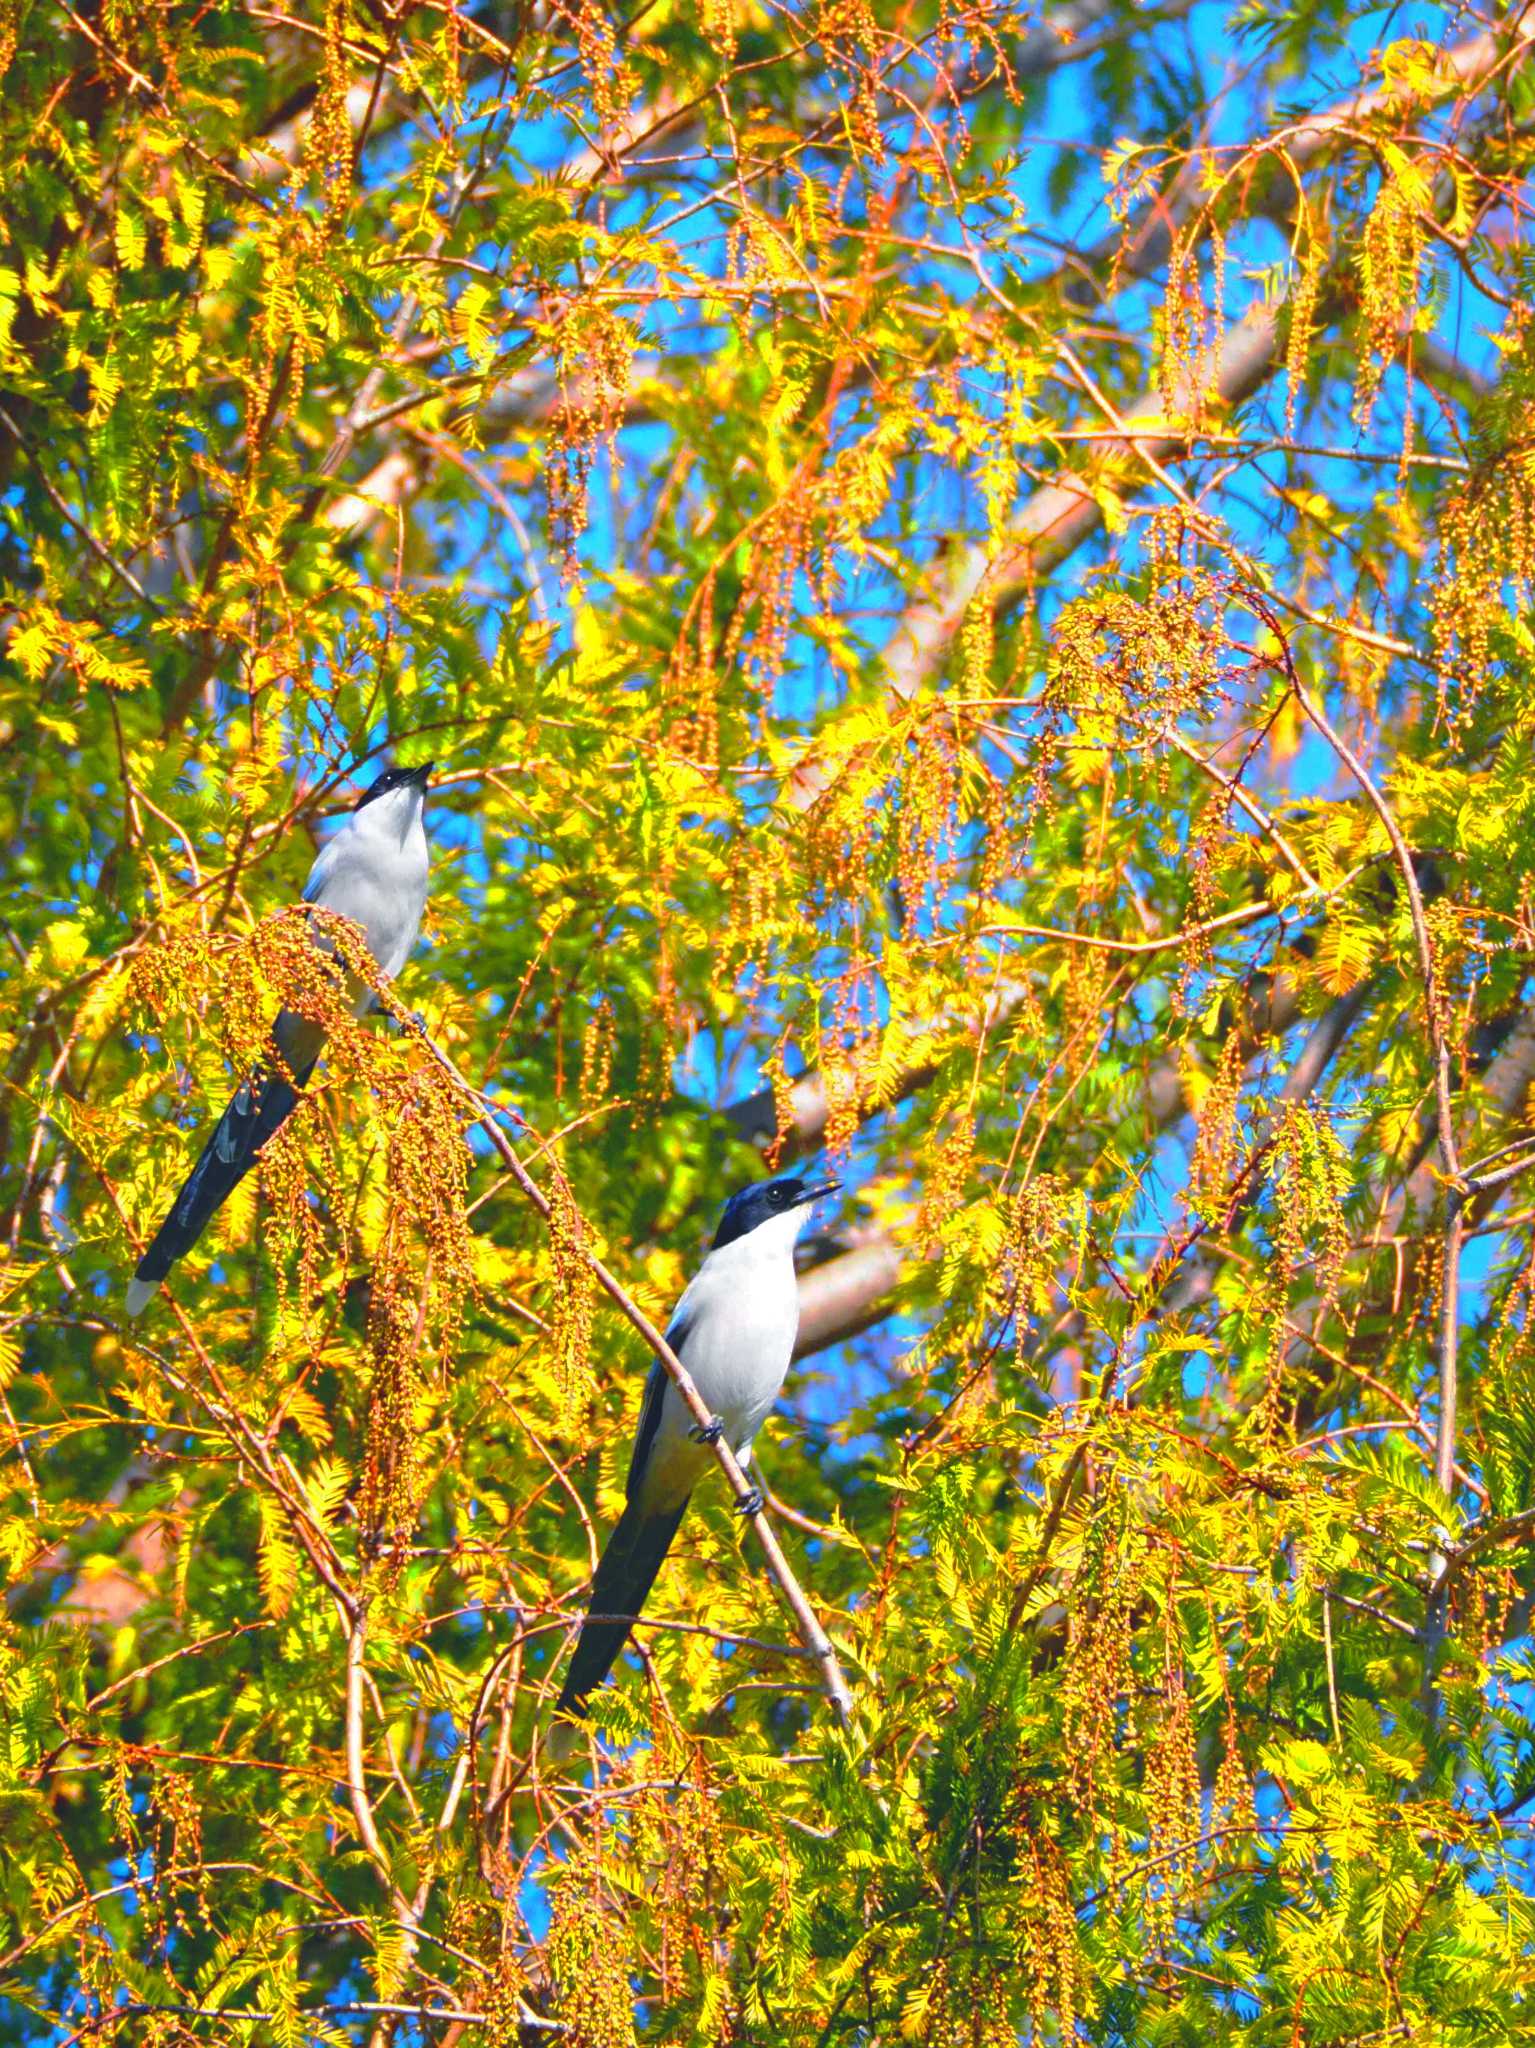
763, 1200
396, 778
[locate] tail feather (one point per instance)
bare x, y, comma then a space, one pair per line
257, 1110
625, 1574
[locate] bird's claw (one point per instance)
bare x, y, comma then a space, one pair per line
413, 1020
751, 1502
707, 1432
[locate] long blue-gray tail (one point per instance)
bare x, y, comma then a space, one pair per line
625, 1574
257, 1110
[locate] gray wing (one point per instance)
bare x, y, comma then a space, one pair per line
318, 876
324, 868
326, 883
650, 1408
352, 876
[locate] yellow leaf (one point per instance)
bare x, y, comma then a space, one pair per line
66, 943
132, 239
1343, 956
1112, 506
32, 648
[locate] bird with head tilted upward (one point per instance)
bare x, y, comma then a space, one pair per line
372, 871
734, 1331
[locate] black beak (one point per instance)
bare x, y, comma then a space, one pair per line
815, 1190
422, 776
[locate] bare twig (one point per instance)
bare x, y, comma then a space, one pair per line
1332, 1681
356, 1780
98, 547
1449, 1157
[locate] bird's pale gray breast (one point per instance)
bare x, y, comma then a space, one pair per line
741, 1329
734, 1330
381, 885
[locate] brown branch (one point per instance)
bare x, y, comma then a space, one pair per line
362, 1806
1509, 1528
1449, 1157
847, 1294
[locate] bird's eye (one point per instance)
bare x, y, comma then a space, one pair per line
778, 1195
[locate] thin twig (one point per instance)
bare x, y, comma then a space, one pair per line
1247, 913
364, 2007
1444, 1117
98, 548
362, 1805
1332, 1681
1235, 789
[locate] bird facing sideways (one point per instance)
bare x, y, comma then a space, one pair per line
373, 871
734, 1330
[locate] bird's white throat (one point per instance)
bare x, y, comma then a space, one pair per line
392, 816
769, 1244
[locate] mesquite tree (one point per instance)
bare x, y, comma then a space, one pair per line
968, 575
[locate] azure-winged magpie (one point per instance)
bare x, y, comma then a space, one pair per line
372, 871
734, 1330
